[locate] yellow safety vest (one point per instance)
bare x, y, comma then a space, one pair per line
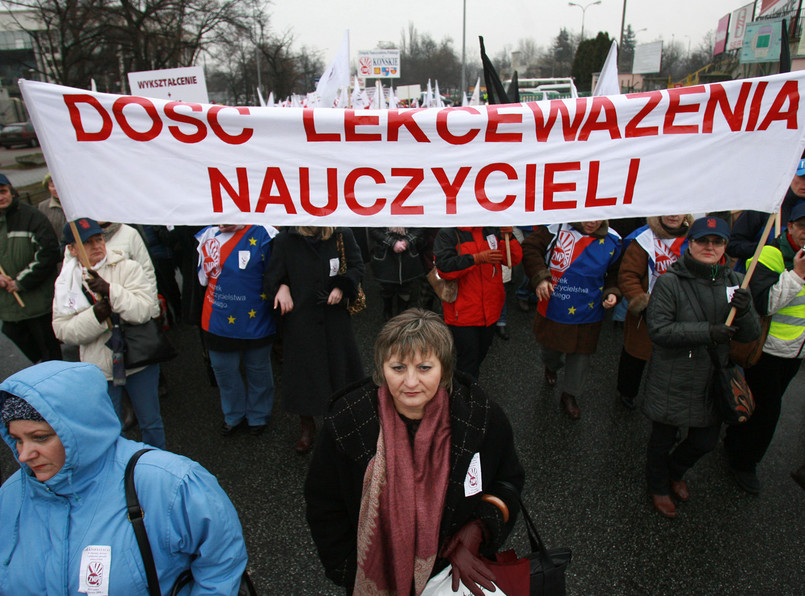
788, 323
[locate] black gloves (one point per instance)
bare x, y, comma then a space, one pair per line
742, 301
98, 285
722, 334
102, 309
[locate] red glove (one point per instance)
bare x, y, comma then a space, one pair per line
462, 552
488, 256
507, 230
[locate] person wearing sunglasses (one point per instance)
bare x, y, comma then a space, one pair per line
686, 317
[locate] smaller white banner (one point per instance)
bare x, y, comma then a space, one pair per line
171, 84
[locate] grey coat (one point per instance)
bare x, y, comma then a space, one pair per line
680, 368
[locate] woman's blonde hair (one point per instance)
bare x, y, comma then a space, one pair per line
313, 230
411, 332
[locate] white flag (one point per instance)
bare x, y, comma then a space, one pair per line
270, 102
428, 101
260, 97
392, 99
475, 100
336, 75
357, 99
381, 98
438, 97
608, 83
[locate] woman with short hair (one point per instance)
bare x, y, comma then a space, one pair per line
415, 469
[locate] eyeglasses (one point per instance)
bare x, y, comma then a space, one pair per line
714, 240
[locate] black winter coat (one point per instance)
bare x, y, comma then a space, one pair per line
320, 355
348, 442
680, 367
393, 267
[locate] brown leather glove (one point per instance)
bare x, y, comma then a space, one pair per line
462, 552
102, 310
98, 285
488, 256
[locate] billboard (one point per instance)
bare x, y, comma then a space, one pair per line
738, 21
778, 8
762, 42
647, 58
721, 35
173, 84
379, 64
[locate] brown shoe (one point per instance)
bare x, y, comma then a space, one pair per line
680, 489
664, 504
570, 406
550, 376
306, 436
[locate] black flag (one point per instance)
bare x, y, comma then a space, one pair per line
785, 50
514, 89
495, 92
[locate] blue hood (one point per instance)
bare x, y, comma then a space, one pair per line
72, 397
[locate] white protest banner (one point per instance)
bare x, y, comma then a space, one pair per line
731, 145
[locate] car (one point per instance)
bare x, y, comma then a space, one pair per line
18, 133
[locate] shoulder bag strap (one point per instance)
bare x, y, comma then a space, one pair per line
135, 514
537, 546
714, 358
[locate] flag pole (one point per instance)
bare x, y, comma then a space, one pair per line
16, 294
83, 258
751, 269
508, 250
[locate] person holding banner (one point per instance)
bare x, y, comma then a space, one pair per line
748, 227
397, 265
86, 298
686, 321
778, 289
573, 270
29, 258
653, 249
312, 274
474, 257
237, 321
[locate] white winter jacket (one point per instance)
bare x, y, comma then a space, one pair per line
131, 295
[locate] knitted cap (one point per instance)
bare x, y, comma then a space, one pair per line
16, 408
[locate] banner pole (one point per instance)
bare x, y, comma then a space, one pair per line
16, 294
83, 257
751, 269
508, 250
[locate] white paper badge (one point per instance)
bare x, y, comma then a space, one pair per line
93, 577
243, 258
334, 265
492, 241
731, 292
473, 482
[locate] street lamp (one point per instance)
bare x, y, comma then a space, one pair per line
583, 12
464, 50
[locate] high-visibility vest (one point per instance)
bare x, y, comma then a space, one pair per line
788, 323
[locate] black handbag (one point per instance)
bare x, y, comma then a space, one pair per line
546, 567
135, 514
146, 344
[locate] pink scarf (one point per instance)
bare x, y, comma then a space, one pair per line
402, 501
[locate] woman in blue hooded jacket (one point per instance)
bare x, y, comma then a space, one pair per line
63, 514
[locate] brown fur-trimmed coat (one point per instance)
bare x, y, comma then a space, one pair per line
569, 339
633, 283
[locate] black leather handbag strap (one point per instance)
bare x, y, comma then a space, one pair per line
537, 546
136, 515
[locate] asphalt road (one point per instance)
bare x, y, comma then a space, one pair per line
584, 480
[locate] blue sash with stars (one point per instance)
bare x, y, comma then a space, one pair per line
578, 291
232, 267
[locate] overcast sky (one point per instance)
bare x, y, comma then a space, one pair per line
321, 23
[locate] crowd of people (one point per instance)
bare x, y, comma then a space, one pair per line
401, 445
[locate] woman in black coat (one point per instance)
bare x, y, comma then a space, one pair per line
408, 474
686, 317
306, 280
396, 264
